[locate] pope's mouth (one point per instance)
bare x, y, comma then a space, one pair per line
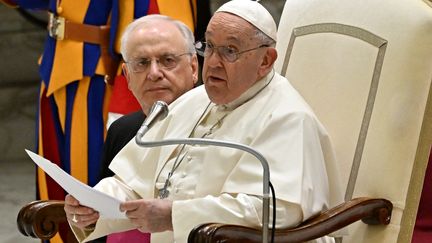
157, 89
215, 79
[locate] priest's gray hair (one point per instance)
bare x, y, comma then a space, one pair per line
184, 29
263, 38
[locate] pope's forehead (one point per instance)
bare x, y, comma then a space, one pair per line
229, 24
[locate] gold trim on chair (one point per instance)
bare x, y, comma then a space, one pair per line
370, 38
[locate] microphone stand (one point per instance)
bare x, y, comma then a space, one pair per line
220, 143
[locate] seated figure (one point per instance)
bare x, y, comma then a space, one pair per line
148, 87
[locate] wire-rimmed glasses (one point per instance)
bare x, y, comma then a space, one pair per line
167, 62
226, 53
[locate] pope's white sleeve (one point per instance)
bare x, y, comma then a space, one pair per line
241, 210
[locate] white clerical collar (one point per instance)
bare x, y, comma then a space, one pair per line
249, 94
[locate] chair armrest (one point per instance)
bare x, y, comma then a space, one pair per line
370, 210
42, 219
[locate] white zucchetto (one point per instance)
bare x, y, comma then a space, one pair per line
254, 13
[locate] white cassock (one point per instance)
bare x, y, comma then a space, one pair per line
214, 184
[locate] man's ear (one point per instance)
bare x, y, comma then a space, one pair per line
267, 62
126, 74
195, 68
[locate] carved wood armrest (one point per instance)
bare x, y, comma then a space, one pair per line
41, 219
370, 210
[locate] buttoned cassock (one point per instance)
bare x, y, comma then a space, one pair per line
223, 184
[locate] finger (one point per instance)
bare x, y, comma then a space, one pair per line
83, 223
70, 216
83, 220
69, 199
131, 205
86, 218
69, 209
79, 210
134, 214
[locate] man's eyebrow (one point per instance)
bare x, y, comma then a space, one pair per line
234, 39
229, 39
142, 57
168, 54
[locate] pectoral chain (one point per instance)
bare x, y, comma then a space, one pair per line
164, 192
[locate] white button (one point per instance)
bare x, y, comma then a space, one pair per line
176, 190
183, 175
189, 158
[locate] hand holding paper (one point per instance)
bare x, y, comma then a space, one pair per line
107, 206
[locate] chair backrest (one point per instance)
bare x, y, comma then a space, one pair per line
365, 67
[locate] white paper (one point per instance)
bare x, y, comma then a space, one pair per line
107, 206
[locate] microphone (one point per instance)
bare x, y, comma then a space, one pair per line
220, 143
158, 111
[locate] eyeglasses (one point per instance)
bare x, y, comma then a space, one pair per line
167, 62
226, 53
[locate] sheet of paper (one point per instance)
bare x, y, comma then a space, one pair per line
107, 206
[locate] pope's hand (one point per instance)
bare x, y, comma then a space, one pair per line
149, 215
78, 215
